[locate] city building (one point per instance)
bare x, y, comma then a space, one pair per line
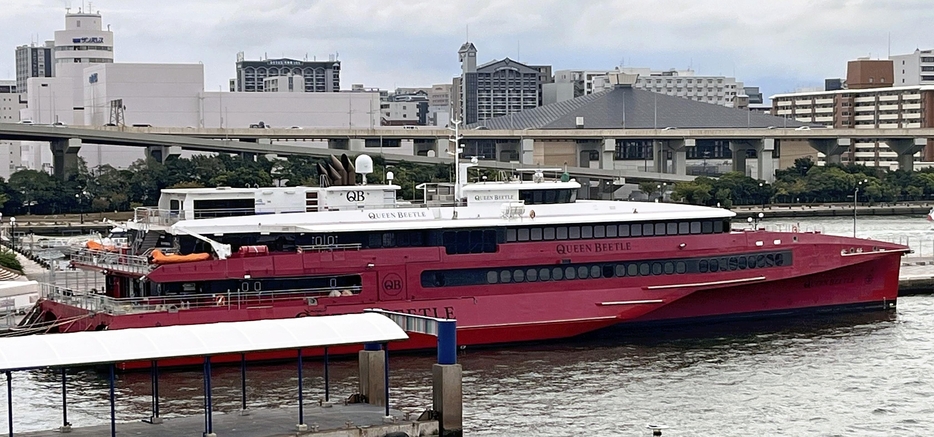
284, 84
719, 90
34, 61
497, 88
882, 107
866, 73
11, 102
82, 43
914, 68
318, 76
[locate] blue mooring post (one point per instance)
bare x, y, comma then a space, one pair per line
386, 374
301, 398
9, 400
327, 383
208, 418
113, 409
447, 342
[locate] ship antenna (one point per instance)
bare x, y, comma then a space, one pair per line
455, 138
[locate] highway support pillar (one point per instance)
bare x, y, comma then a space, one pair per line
906, 149
739, 147
447, 389
832, 148
765, 155
160, 153
527, 151
607, 154
678, 149
372, 365
65, 157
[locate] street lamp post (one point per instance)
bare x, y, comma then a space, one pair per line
855, 196
761, 185
13, 233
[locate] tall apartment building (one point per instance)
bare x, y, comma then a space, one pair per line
318, 76
497, 88
34, 61
11, 102
914, 68
719, 90
884, 107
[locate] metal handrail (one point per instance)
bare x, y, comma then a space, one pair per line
232, 300
328, 247
113, 261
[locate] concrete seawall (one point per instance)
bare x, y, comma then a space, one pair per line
831, 210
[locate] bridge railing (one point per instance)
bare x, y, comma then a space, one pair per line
95, 300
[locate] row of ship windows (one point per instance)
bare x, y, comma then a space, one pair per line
567, 272
549, 233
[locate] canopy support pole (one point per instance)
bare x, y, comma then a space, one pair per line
327, 381
242, 384
113, 410
154, 384
208, 417
386, 374
65, 425
301, 398
9, 400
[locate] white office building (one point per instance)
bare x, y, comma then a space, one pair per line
914, 68
11, 102
82, 43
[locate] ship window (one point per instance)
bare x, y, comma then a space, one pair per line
599, 231
476, 241
695, 227
463, 242
595, 272
609, 270
544, 274
741, 263
732, 263
632, 269
636, 230
511, 235
505, 276
684, 228
718, 226
611, 231
587, 231
376, 240
714, 265
549, 233
680, 267
751, 261
620, 270
551, 196
644, 269
656, 268
402, 239
574, 232
569, 273
779, 260
702, 266
659, 229
557, 273
671, 228
623, 230
648, 229
389, 239
489, 241
582, 272
562, 232
531, 275
492, 277
669, 268
536, 234
707, 227
760, 260
523, 234
518, 275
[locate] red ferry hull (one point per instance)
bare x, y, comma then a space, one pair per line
828, 273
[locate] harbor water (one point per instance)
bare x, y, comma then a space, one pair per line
857, 374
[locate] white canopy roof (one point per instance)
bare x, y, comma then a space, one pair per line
83, 348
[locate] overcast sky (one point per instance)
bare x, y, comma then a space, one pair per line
779, 45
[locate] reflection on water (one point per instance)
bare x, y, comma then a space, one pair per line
856, 374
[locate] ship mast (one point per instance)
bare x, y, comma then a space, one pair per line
456, 138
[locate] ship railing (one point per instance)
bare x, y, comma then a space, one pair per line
154, 216
96, 301
328, 247
113, 261
793, 227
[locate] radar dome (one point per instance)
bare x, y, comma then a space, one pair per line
363, 164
